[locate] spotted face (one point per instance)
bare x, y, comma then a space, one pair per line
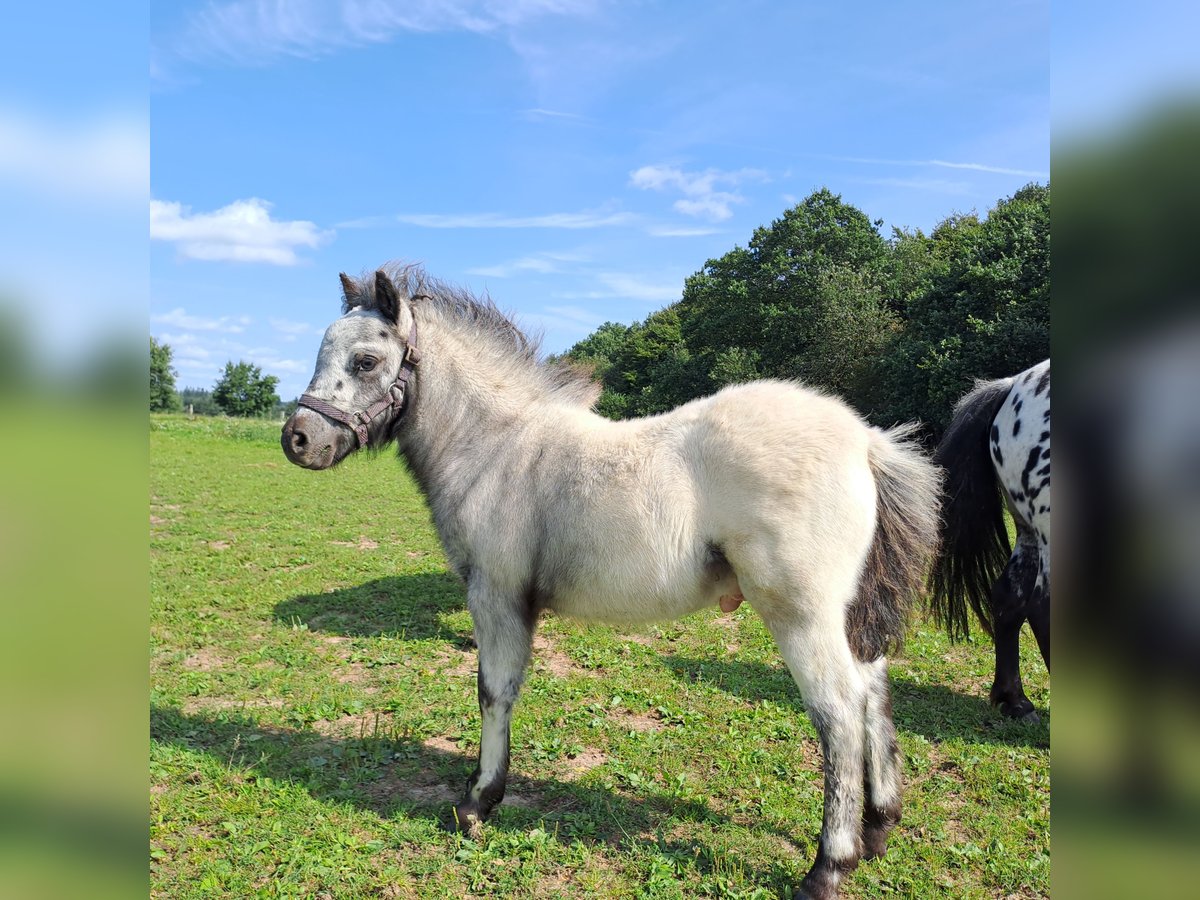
355, 379
1020, 448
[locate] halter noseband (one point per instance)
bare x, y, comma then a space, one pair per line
394, 399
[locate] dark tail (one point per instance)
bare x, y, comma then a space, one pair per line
906, 535
975, 543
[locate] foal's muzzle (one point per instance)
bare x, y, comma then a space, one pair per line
311, 442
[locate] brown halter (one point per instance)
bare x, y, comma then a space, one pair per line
394, 399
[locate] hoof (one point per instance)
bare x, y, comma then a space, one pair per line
823, 879
468, 820
875, 842
1021, 709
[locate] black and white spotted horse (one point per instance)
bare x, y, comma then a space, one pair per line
996, 453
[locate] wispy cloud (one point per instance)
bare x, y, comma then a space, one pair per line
565, 319
586, 219
934, 185
700, 195
534, 115
539, 263
243, 231
623, 285
180, 318
256, 32
942, 164
680, 231
289, 330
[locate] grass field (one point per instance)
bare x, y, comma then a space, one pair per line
313, 717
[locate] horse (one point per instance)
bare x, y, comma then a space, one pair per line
767, 493
996, 453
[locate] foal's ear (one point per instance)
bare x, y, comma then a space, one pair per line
387, 299
351, 295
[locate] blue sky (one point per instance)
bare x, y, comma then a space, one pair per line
575, 159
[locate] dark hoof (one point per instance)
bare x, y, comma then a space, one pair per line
1017, 709
468, 819
875, 840
823, 879
877, 825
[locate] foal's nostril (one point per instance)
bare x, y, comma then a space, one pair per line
299, 440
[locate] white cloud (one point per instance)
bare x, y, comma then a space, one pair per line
700, 195
103, 158
179, 318
243, 231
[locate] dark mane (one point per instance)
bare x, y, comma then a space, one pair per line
483, 318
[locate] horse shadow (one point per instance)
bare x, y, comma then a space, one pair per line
394, 776
408, 607
935, 711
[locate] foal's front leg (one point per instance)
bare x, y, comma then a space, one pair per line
503, 632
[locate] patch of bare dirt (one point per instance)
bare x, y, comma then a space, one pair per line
548, 658
356, 726
583, 762
363, 543
204, 660
219, 545
422, 789
157, 520
208, 704
645, 640
351, 673
442, 744
643, 722
457, 663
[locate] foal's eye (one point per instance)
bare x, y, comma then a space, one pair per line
366, 364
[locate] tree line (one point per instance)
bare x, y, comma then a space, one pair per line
242, 389
899, 326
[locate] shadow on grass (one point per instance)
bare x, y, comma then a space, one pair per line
405, 606
934, 711
400, 776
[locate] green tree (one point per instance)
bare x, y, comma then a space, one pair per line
244, 391
200, 401
163, 396
984, 312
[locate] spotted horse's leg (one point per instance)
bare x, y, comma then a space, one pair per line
504, 628
1011, 595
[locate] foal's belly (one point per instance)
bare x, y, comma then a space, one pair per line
612, 602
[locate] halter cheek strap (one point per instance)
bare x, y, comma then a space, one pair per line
359, 421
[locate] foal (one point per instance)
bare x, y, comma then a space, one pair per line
765, 491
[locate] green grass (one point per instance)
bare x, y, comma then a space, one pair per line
313, 717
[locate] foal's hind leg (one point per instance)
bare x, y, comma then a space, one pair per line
882, 782
504, 632
820, 660
1010, 605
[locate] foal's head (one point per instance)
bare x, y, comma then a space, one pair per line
354, 398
